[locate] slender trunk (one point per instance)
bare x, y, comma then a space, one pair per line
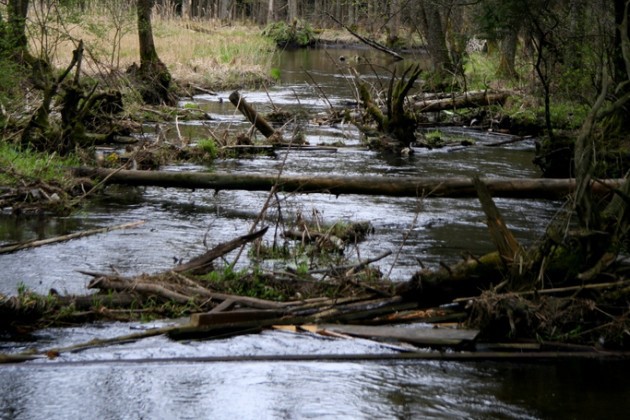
292, 12
271, 17
148, 53
186, 10
394, 21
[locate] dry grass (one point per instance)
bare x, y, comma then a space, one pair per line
201, 53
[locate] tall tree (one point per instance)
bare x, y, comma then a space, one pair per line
154, 76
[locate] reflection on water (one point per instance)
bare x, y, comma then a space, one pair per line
316, 389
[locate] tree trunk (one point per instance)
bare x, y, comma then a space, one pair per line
292, 12
435, 38
271, 16
186, 10
16, 41
224, 9
367, 185
394, 19
154, 76
507, 57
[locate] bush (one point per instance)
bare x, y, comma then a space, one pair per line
210, 147
299, 34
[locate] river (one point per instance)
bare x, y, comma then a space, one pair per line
155, 378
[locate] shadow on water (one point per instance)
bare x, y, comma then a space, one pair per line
326, 390
177, 221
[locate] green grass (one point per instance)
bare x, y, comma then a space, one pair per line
26, 164
210, 147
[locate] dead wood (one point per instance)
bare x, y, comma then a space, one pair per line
466, 100
505, 242
467, 278
367, 185
431, 337
32, 244
395, 122
252, 116
203, 263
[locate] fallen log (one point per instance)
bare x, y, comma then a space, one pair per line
352, 357
252, 116
465, 100
203, 263
367, 185
432, 337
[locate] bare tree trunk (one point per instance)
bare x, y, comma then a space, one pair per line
186, 10
153, 74
271, 16
292, 14
394, 19
224, 9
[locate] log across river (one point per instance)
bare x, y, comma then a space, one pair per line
336, 185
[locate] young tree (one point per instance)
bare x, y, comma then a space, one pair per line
153, 74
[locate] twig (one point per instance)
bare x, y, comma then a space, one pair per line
36, 243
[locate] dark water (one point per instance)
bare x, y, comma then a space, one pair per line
177, 223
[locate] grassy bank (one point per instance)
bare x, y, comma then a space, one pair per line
204, 53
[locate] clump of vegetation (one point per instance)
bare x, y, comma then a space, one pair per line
210, 147
25, 164
297, 34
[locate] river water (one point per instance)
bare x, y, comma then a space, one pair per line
136, 381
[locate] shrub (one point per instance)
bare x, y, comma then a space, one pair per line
299, 34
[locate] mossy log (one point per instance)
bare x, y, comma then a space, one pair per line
465, 100
467, 278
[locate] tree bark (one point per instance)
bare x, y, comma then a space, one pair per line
293, 11
154, 75
271, 15
186, 9
435, 37
507, 57
374, 185
252, 116
17, 42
